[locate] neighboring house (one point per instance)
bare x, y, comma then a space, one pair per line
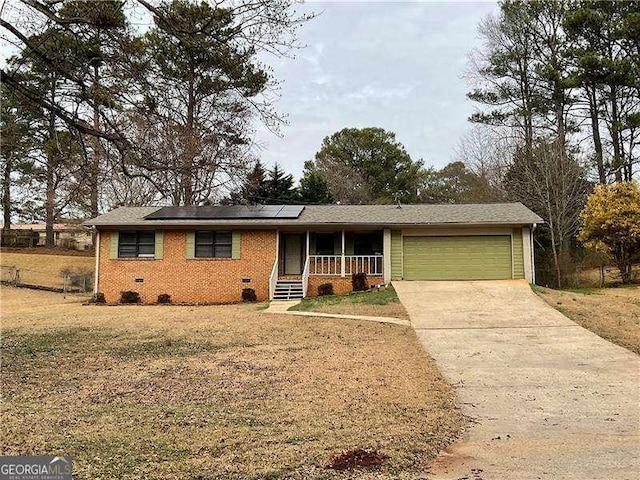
66, 235
209, 254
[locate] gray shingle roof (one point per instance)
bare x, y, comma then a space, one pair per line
378, 215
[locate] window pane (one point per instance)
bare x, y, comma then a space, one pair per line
127, 251
146, 250
223, 238
204, 251
147, 238
223, 251
204, 237
127, 238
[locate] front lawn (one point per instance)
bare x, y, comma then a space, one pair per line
612, 313
379, 303
215, 392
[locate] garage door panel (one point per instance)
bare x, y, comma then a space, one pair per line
457, 257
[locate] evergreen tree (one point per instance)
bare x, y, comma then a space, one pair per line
605, 53
253, 190
279, 187
313, 188
368, 165
16, 130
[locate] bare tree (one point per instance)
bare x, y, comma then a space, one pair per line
201, 79
488, 152
347, 186
553, 184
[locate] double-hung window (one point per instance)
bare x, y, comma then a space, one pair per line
213, 244
139, 244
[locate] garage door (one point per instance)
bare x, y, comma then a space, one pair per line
457, 258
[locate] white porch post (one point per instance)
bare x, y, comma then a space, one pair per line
386, 255
308, 252
526, 254
343, 260
533, 255
96, 274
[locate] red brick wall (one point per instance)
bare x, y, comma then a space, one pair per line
340, 284
191, 281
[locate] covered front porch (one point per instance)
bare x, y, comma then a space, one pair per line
332, 255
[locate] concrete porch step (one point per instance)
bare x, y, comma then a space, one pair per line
288, 290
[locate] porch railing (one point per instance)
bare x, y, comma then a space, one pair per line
369, 264
333, 265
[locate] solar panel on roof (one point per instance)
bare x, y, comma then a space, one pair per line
226, 212
290, 211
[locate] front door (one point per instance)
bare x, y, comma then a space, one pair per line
292, 254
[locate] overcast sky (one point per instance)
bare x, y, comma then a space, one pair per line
393, 65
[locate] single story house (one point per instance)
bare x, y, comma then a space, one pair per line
209, 254
66, 235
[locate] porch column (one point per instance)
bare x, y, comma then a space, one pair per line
308, 252
96, 247
526, 254
343, 260
386, 255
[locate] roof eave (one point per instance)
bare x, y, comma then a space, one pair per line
151, 223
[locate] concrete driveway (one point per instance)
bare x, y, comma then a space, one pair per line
548, 399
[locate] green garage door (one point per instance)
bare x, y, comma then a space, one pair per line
457, 258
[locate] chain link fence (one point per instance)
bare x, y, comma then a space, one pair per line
68, 280
581, 276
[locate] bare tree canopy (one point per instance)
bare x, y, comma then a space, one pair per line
165, 110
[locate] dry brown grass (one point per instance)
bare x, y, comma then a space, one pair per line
42, 269
612, 313
214, 392
42, 250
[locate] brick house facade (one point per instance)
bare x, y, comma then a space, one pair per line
211, 254
189, 280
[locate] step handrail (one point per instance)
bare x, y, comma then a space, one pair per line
305, 277
273, 280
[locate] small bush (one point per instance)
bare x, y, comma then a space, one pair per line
325, 289
164, 298
129, 297
249, 295
359, 282
98, 298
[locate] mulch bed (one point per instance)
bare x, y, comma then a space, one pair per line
357, 458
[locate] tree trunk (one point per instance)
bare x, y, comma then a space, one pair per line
6, 193
50, 197
188, 147
595, 130
50, 201
615, 133
624, 265
94, 168
556, 259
